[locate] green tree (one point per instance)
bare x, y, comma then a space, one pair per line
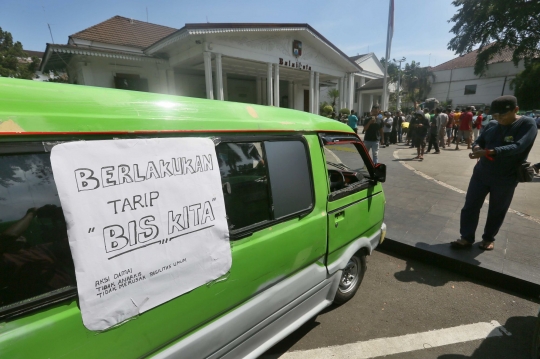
496, 25
416, 82
393, 71
527, 87
12, 58
334, 94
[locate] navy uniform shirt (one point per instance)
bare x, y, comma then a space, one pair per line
512, 144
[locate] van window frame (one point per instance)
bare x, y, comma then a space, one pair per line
335, 139
249, 230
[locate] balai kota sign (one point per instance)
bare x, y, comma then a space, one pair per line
143, 216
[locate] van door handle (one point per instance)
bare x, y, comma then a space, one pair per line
339, 216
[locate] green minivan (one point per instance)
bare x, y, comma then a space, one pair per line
304, 206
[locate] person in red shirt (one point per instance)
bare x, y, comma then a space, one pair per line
465, 127
478, 124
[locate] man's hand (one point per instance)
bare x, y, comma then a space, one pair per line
477, 153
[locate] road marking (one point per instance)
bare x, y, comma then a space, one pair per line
455, 189
406, 343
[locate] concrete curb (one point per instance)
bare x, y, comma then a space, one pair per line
493, 278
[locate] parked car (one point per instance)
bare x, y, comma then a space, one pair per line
304, 207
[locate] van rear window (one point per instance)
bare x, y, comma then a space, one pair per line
35, 258
245, 183
264, 181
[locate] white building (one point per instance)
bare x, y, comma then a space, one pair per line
455, 80
270, 64
368, 85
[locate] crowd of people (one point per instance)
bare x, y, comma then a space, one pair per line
436, 129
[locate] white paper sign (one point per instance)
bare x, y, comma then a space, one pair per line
146, 222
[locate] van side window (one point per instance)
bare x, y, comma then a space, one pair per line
289, 177
245, 183
346, 169
35, 258
264, 181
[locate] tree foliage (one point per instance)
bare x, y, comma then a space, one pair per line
496, 25
526, 86
13, 58
333, 94
416, 82
393, 71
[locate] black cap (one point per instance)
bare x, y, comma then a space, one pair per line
503, 104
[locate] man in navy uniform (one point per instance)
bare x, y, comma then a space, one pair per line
502, 147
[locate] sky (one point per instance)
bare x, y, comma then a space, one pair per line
355, 26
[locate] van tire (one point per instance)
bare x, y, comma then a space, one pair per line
351, 278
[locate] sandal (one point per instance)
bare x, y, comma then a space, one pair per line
486, 246
460, 244
421, 158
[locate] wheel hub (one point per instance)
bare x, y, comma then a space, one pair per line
350, 275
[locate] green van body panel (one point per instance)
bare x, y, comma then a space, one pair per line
60, 108
66, 112
354, 215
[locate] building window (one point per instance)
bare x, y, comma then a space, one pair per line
130, 82
470, 89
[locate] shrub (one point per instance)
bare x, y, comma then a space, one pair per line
345, 111
327, 110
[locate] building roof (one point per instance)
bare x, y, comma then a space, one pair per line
354, 58
57, 56
29, 108
375, 84
203, 28
468, 60
38, 54
122, 31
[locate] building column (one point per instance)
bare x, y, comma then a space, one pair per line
295, 91
171, 84
269, 86
340, 99
316, 94
258, 89
311, 91
264, 98
276, 85
290, 94
345, 91
351, 91
370, 102
208, 75
225, 87
219, 78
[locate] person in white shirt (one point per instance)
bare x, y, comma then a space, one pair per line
387, 128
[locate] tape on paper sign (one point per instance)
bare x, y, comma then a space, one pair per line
146, 222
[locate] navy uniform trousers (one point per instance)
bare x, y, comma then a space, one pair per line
500, 193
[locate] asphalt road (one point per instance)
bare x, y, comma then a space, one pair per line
400, 298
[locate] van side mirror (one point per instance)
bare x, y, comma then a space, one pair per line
379, 172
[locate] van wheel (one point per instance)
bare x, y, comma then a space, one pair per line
351, 278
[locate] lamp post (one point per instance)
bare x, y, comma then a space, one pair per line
398, 106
